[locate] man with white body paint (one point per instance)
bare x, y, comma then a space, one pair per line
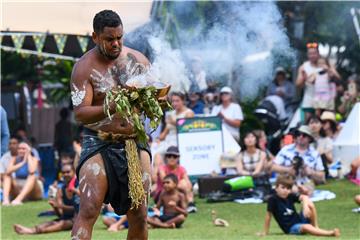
102, 169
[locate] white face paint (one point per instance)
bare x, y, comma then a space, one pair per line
103, 83
77, 96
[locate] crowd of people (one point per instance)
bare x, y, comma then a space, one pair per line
303, 161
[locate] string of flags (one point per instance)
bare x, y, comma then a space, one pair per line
40, 38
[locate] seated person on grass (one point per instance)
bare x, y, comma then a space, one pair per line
174, 204
114, 222
21, 180
63, 206
172, 165
281, 206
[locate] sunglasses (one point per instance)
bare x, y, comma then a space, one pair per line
312, 45
302, 135
172, 156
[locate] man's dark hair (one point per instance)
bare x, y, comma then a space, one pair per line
172, 177
16, 137
106, 18
284, 180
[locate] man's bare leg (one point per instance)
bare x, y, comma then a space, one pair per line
310, 229
108, 221
93, 186
55, 226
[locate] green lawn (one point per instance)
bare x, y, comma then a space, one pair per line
245, 220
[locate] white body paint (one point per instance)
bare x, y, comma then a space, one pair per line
95, 168
77, 96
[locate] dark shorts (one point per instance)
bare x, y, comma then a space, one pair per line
115, 162
166, 217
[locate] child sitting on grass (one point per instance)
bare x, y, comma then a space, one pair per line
114, 222
174, 204
281, 205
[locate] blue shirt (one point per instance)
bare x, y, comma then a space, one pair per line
5, 134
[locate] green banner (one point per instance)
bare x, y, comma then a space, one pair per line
18, 40
39, 41
198, 124
60, 40
83, 41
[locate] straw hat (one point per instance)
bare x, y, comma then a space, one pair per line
327, 115
306, 130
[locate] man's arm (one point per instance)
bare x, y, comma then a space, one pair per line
82, 97
281, 169
317, 176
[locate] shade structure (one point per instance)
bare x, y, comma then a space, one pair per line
69, 17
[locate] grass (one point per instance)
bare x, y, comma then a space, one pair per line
245, 220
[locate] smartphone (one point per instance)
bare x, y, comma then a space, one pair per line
322, 71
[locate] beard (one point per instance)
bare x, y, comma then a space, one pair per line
106, 54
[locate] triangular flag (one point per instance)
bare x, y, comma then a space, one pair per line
18, 40
83, 41
60, 40
39, 40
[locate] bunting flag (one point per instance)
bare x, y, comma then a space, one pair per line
39, 42
60, 40
18, 40
83, 41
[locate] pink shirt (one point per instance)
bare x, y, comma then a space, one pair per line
179, 172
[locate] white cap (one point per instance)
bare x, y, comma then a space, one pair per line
225, 90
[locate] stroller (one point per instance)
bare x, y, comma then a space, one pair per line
275, 116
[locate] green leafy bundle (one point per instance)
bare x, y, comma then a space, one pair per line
133, 103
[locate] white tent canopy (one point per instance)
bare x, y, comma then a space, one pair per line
68, 17
347, 144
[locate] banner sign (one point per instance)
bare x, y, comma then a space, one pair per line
200, 142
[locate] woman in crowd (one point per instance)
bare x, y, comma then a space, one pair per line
22, 179
251, 160
281, 86
329, 124
230, 112
322, 143
168, 136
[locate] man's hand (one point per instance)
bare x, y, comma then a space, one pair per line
221, 115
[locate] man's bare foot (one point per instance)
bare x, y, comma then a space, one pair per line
23, 230
337, 232
16, 203
6, 203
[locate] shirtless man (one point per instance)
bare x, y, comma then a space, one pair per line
174, 204
102, 169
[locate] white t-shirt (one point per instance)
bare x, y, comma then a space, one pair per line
309, 91
4, 162
233, 111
